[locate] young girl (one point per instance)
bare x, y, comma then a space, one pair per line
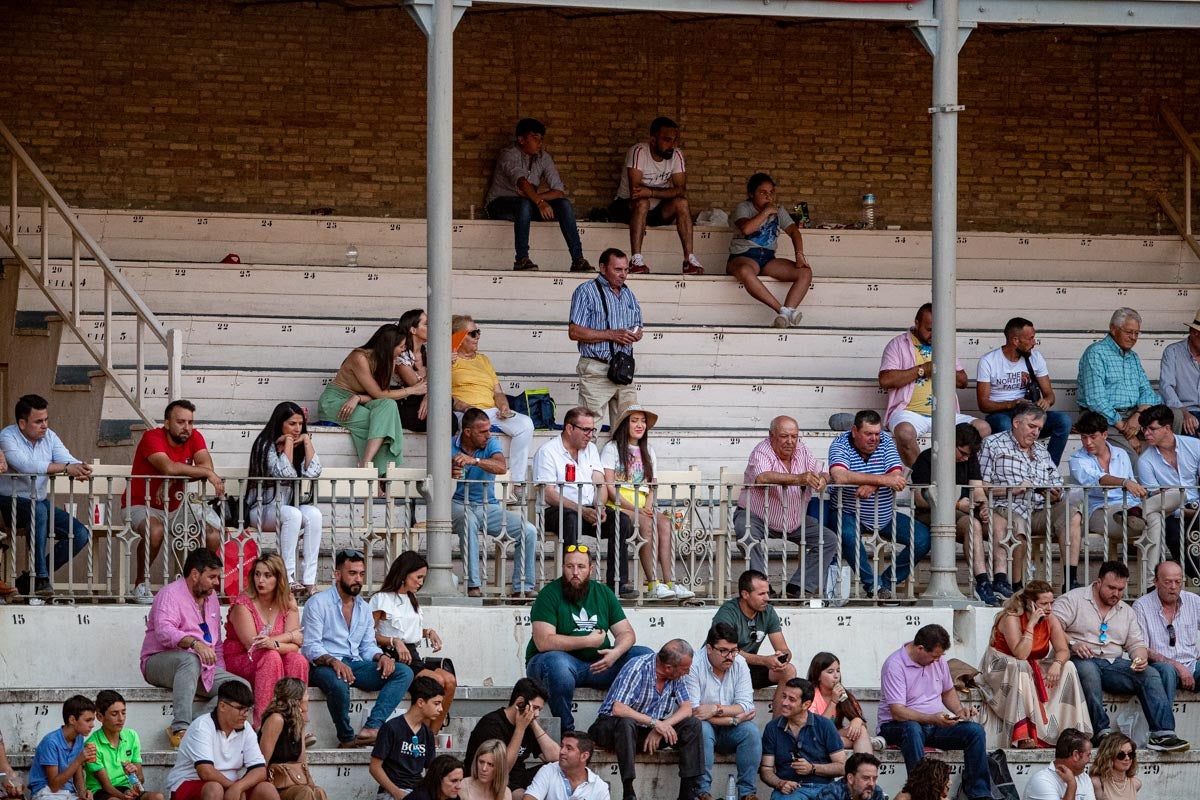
628, 458
399, 627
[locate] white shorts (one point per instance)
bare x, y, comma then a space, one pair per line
183, 517
922, 423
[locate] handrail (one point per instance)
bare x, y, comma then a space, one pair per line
170, 339
1191, 154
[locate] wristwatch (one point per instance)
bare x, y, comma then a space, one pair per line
920, 370
720, 712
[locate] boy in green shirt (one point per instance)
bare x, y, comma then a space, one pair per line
116, 774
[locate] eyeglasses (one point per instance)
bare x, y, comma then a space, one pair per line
475, 333
1124, 755
1103, 633
577, 548
1171, 633
240, 709
726, 651
207, 633
585, 431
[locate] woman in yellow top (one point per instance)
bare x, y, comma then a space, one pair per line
358, 400
474, 385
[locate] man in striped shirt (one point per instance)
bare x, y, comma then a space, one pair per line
1169, 618
602, 325
866, 471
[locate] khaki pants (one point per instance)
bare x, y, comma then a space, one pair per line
600, 394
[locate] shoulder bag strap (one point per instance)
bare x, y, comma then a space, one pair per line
607, 317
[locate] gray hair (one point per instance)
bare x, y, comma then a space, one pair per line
674, 652
1124, 313
1027, 409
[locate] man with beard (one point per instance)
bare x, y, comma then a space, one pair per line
154, 505
1007, 375
573, 617
653, 192
860, 783
906, 371
339, 640
182, 650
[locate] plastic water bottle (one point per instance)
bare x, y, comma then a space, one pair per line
868, 211
351, 256
731, 789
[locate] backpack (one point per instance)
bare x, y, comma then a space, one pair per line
535, 404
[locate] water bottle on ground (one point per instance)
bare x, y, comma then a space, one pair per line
868, 211
731, 789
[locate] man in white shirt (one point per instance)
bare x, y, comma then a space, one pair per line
723, 700
220, 750
1167, 462
653, 191
1064, 778
570, 778
1006, 375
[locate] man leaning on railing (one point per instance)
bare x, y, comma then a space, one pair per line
31, 452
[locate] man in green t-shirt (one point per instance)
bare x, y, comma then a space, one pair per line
116, 774
573, 617
755, 619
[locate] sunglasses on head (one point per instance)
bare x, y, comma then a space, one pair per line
577, 548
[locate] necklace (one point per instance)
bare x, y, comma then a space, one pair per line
1119, 786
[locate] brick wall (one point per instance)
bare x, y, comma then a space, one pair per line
212, 106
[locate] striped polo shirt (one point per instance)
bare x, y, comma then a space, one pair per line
588, 311
876, 511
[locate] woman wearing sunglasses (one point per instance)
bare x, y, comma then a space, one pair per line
1035, 690
1114, 769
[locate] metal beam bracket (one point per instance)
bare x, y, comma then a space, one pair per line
947, 109
422, 13
927, 31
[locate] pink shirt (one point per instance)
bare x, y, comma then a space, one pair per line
904, 681
899, 354
788, 503
175, 615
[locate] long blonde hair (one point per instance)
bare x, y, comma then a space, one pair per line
1015, 605
1106, 756
499, 753
289, 693
283, 592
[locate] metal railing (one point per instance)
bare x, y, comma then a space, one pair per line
830, 556
69, 308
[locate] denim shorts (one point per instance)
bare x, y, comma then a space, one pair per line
760, 255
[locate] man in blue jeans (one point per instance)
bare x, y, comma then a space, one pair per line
345, 655
30, 453
865, 472
522, 170
580, 635
919, 708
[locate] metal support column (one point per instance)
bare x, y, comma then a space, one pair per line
943, 583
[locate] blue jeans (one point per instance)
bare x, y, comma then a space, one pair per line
560, 672
521, 211
368, 678
469, 520
1170, 678
1057, 429
914, 737
913, 534
70, 535
809, 791
1098, 676
744, 741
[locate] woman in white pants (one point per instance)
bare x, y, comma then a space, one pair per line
284, 450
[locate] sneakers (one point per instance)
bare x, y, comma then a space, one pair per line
637, 265
796, 316
628, 593
143, 595
1002, 589
1167, 743
581, 265
692, 266
878, 744
783, 318
885, 594
660, 591
681, 591
986, 594
525, 265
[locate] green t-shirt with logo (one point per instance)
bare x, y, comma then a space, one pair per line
599, 609
109, 759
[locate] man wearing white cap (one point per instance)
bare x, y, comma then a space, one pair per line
1179, 377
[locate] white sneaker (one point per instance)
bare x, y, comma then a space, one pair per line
783, 318
142, 594
662, 592
878, 744
796, 316
682, 592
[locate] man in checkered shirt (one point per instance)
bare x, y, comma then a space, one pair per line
1016, 459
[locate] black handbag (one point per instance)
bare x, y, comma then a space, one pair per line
621, 365
1033, 390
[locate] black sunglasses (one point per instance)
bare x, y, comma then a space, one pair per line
1171, 633
475, 333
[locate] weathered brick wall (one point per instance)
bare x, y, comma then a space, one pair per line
211, 106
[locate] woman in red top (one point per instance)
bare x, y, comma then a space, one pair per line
1034, 695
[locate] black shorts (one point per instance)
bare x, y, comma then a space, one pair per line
620, 210
760, 676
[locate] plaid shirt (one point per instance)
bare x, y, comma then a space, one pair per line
635, 687
1110, 379
1004, 463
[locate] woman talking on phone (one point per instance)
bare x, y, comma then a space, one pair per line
1035, 691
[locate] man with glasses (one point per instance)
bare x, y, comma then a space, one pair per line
182, 650
1101, 630
219, 757
723, 700
580, 635
605, 319
1169, 618
339, 641
474, 384
1167, 463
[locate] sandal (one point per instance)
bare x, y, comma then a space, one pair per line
1025, 744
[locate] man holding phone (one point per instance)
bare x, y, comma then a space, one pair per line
755, 620
517, 726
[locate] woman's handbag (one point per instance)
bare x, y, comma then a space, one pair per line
294, 781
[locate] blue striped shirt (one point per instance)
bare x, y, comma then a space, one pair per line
635, 688
587, 311
876, 511
1110, 379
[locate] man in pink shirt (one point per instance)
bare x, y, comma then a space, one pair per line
780, 477
919, 708
182, 650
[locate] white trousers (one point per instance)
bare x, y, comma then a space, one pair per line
289, 521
